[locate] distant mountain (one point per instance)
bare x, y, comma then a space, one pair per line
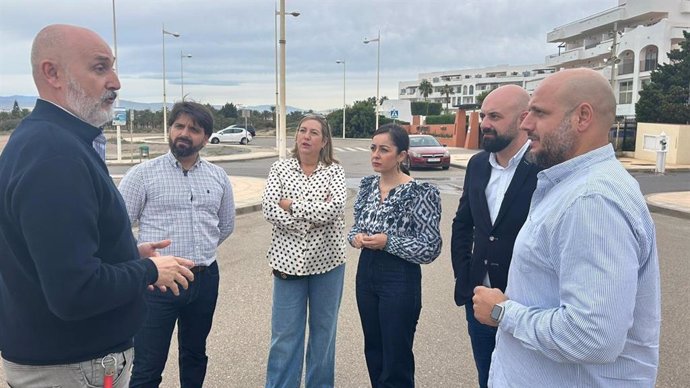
7, 102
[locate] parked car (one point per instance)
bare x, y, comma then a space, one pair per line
231, 134
426, 151
249, 128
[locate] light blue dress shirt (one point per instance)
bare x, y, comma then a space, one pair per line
583, 286
195, 209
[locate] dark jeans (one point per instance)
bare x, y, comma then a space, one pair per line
389, 299
483, 339
193, 311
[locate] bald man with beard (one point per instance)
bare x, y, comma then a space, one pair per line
582, 306
495, 200
72, 276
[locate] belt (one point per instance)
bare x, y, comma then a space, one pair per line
287, 276
198, 268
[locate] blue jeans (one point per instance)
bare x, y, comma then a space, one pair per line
321, 295
193, 311
389, 299
84, 374
483, 339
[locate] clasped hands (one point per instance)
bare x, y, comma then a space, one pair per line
374, 241
173, 272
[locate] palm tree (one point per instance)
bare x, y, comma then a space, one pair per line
425, 89
447, 91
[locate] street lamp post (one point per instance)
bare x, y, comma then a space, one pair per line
182, 56
280, 88
343, 62
117, 99
378, 66
165, 102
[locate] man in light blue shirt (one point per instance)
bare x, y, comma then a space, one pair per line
582, 306
180, 197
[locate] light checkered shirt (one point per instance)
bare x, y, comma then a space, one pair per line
99, 145
194, 209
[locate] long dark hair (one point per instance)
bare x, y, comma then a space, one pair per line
400, 138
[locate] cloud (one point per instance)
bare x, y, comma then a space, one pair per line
232, 43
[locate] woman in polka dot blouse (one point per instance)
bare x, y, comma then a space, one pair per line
305, 199
397, 229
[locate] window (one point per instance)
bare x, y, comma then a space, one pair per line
650, 59
627, 63
625, 92
402, 91
471, 89
464, 89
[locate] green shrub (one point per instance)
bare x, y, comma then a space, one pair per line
440, 119
419, 108
9, 124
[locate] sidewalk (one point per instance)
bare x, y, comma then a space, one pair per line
247, 190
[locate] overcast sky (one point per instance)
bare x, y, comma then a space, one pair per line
232, 43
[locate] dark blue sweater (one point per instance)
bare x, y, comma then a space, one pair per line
71, 280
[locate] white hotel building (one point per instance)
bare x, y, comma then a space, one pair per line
626, 43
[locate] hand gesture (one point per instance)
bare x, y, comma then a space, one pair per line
172, 273
377, 241
149, 249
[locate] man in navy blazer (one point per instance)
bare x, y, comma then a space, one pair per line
498, 188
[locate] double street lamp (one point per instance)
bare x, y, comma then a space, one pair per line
378, 63
165, 102
280, 84
182, 57
343, 63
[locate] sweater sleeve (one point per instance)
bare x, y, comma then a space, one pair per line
57, 206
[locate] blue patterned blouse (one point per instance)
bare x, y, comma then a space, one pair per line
409, 216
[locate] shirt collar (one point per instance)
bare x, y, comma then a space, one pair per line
175, 163
562, 171
294, 165
513, 161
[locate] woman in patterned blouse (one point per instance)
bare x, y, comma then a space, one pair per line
397, 229
305, 199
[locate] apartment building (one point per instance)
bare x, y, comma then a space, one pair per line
466, 84
625, 43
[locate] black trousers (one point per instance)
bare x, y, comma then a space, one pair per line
389, 299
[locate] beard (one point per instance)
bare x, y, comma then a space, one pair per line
498, 142
183, 147
556, 146
87, 108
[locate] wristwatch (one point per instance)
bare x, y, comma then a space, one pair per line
290, 208
497, 312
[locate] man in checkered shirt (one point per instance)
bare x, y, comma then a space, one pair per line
183, 198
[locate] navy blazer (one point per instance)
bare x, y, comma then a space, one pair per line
493, 244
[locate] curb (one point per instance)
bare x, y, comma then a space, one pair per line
668, 211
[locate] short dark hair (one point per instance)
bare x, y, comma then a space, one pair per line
398, 134
199, 113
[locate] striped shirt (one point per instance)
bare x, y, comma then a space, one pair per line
195, 209
583, 286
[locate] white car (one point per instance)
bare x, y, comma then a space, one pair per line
231, 135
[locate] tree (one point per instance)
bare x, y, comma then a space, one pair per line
447, 91
229, 110
425, 89
481, 96
16, 111
666, 99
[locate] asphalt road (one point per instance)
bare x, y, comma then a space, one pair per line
239, 342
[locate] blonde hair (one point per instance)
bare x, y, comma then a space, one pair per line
326, 153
